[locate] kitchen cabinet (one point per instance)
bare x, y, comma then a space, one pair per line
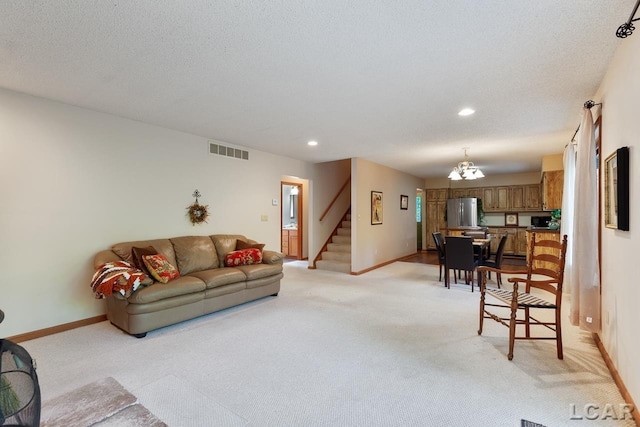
458, 192
496, 234
516, 243
525, 198
510, 245
435, 205
435, 219
496, 199
501, 197
552, 186
437, 194
290, 242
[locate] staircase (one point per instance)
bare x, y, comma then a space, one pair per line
337, 256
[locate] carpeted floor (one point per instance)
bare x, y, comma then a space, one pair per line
101, 403
391, 347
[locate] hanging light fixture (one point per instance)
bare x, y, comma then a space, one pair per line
465, 170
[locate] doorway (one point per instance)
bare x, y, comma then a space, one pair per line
291, 219
419, 198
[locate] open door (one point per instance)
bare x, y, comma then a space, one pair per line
420, 231
291, 219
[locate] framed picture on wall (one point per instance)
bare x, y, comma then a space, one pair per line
404, 202
376, 207
616, 189
511, 218
611, 191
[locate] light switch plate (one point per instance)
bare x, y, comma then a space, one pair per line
264, 218
274, 202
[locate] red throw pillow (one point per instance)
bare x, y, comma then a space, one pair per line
243, 257
160, 268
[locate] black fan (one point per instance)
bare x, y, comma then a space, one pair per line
19, 389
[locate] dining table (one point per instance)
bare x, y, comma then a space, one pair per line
482, 248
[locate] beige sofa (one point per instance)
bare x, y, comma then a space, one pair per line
205, 285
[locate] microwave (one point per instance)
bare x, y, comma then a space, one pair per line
540, 221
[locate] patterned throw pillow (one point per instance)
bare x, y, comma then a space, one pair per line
241, 244
160, 268
243, 257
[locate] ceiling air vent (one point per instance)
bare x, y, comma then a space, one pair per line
227, 151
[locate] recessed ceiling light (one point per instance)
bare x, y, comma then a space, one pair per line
312, 143
466, 112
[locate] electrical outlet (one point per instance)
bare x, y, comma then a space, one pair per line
589, 319
264, 218
274, 202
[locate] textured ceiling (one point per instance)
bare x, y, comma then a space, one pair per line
382, 80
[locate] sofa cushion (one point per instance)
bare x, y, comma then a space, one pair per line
195, 253
136, 257
160, 268
243, 257
258, 271
158, 291
226, 243
163, 246
241, 244
220, 276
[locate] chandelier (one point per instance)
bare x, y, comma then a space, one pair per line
465, 170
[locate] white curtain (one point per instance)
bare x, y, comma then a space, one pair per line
583, 267
566, 225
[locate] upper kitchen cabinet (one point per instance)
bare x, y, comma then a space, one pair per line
496, 199
552, 185
526, 197
437, 194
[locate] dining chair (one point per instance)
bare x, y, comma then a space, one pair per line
496, 261
437, 238
459, 255
549, 277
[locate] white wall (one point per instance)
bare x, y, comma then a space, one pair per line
396, 237
74, 181
619, 94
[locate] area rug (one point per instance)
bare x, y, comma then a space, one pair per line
101, 403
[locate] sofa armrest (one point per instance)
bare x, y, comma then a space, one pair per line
272, 257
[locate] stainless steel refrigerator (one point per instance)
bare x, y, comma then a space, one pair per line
462, 212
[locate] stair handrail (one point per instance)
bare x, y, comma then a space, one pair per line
326, 212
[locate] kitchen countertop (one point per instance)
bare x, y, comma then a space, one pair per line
542, 230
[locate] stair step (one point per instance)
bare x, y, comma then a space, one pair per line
341, 267
346, 224
348, 217
344, 232
337, 256
344, 240
339, 247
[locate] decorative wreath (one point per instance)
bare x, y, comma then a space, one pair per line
197, 213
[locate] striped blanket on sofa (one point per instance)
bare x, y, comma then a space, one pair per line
119, 276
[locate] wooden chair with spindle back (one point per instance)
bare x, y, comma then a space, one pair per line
545, 272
